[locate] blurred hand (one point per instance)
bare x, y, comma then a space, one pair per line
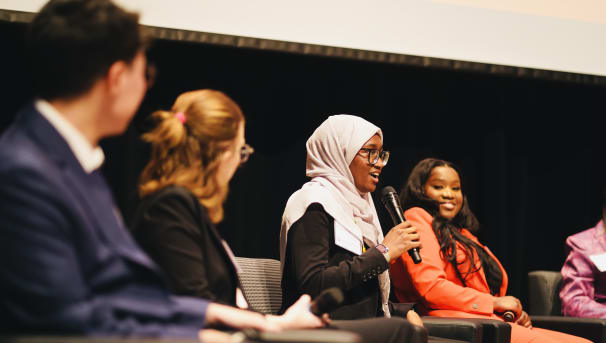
524, 320
507, 303
400, 239
414, 318
298, 316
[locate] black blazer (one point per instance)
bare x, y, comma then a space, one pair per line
313, 263
174, 229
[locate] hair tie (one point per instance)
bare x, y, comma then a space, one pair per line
181, 117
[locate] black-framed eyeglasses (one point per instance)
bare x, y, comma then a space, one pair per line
374, 155
245, 153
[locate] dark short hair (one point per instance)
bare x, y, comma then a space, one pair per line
73, 43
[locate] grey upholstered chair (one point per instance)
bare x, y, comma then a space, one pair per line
261, 282
544, 308
543, 293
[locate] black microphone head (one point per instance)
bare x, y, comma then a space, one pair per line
509, 316
329, 300
389, 198
387, 190
336, 295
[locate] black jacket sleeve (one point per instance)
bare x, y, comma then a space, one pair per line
170, 230
314, 262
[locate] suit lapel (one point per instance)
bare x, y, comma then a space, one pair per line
479, 281
218, 242
46, 137
505, 280
232, 264
94, 194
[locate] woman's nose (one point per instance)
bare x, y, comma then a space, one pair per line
447, 194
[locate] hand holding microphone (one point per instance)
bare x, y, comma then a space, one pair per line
509, 316
329, 300
509, 307
303, 314
402, 237
523, 319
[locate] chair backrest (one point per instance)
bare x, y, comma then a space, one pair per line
261, 283
543, 293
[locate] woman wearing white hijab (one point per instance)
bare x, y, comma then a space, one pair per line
331, 236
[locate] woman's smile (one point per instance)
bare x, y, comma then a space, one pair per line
448, 205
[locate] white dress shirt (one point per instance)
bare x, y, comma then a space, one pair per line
89, 156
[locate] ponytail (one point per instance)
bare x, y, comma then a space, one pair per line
186, 143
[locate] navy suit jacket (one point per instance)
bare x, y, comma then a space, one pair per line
68, 264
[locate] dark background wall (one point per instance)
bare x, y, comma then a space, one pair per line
531, 151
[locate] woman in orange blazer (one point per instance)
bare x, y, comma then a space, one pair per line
458, 277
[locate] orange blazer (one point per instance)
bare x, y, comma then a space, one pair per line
433, 283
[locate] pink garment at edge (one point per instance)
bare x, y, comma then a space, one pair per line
583, 292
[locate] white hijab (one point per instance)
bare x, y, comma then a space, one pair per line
330, 151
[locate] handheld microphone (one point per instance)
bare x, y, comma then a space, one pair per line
509, 316
328, 300
390, 200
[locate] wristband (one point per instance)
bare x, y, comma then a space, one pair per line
385, 251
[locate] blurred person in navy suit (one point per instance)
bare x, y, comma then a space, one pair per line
68, 264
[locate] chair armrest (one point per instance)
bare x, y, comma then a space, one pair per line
593, 329
400, 309
300, 336
454, 328
493, 331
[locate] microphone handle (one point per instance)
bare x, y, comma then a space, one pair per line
397, 216
414, 254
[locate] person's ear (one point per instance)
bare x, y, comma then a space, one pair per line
116, 77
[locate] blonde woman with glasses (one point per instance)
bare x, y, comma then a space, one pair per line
196, 148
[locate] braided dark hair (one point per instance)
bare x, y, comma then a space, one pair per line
448, 231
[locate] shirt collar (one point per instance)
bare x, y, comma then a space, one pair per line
89, 157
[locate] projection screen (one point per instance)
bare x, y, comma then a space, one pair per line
545, 35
